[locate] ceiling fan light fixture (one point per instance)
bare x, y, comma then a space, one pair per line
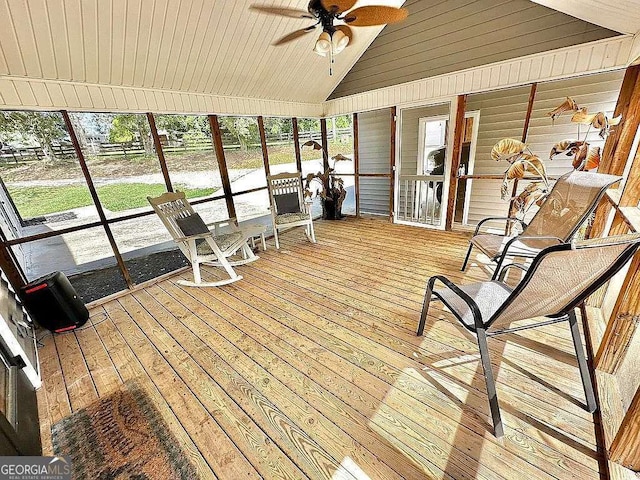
339, 41
323, 44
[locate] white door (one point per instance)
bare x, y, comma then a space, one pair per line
422, 173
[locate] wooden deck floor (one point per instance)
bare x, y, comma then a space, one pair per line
310, 367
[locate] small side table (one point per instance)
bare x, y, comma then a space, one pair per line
254, 231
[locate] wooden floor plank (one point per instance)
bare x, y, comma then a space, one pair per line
222, 455
310, 367
130, 368
383, 370
247, 436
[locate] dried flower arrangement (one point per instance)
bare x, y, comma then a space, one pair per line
522, 160
327, 185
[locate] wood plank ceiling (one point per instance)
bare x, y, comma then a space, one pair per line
217, 47
453, 35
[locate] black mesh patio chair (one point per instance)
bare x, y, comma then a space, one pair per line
559, 279
573, 197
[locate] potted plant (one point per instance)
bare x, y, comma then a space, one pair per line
326, 185
522, 160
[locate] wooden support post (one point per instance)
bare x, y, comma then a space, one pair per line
96, 199
525, 133
263, 143
325, 144
356, 163
625, 448
296, 143
458, 137
392, 163
617, 145
623, 322
222, 164
159, 152
10, 266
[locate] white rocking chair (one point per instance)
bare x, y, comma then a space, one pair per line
288, 206
198, 243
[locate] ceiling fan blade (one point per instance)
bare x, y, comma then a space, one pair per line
375, 15
292, 36
281, 11
338, 6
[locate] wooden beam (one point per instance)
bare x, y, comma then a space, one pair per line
392, 163
263, 144
631, 192
96, 199
525, 133
458, 137
296, 143
623, 322
619, 138
625, 448
325, 144
159, 151
600, 220
527, 118
222, 164
356, 162
10, 265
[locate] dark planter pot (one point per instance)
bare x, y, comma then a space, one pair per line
330, 212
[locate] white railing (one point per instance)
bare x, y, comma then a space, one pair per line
419, 199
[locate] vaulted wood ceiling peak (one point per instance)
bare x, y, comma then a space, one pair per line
451, 35
217, 47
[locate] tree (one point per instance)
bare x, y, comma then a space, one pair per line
129, 127
244, 129
42, 128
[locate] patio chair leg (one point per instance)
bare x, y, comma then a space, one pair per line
498, 429
466, 259
592, 406
196, 272
313, 234
425, 309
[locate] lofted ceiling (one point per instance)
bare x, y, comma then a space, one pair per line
217, 47
620, 15
221, 48
454, 35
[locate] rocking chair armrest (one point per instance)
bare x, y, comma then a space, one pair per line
232, 222
475, 310
508, 219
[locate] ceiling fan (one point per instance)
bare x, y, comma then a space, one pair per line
334, 38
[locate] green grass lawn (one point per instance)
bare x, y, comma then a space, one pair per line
37, 201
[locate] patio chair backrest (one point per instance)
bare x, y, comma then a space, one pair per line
562, 276
572, 199
285, 183
170, 206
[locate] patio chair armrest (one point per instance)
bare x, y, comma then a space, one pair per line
503, 270
508, 219
475, 310
507, 246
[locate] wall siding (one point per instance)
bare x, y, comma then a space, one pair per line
594, 57
443, 37
502, 115
374, 149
